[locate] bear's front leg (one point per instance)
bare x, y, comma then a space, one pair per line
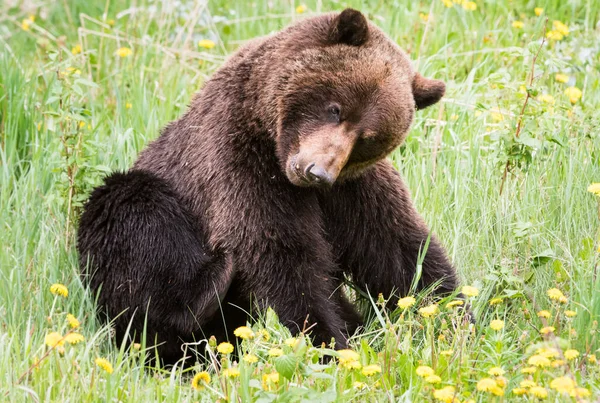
378, 234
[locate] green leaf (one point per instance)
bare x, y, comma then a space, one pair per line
286, 365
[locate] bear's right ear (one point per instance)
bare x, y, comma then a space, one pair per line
427, 91
350, 27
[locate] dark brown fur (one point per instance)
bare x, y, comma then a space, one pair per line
287, 195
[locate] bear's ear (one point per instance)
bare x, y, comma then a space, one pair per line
426, 91
350, 27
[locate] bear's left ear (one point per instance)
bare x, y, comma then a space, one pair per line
350, 27
427, 91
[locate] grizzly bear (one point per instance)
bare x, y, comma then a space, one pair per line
269, 191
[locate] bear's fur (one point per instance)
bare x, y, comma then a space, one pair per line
270, 189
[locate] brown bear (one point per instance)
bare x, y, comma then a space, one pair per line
268, 191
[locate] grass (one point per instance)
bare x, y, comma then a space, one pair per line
68, 117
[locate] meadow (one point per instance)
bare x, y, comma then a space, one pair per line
505, 170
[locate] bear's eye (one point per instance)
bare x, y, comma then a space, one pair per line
334, 111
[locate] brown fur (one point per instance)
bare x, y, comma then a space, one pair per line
240, 162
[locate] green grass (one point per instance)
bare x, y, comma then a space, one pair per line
541, 232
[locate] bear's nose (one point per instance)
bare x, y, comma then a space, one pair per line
318, 175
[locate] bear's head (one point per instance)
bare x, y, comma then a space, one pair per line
345, 100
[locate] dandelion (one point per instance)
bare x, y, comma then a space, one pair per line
469, 5
528, 370
59, 289
244, 332
496, 301
349, 359
554, 35
470, 291
561, 78
264, 334
560, 27
250, 358
496, 371
424, 17
570, 314
555, 294
104, 364
128, 105
231, 372
75, 50
371, 370
547, 330
563, 384
54, 339
527, 384
574, 94
538, 361
538, 11
453, 304
300, 9
359, 385
580, 392
501, 381
124, 52
74, 338
269, 380
546, 98
447, 352
548, 352
26, 23
571, 354
292, 342
424, 371
486, 385
137, 346
433, 379
497, 117
225, 348
519, 391
595, 189
407, 302
497, 324
592, 359
429, 311
517, 24
543, 314
448, 3
206, 44
72, 321
200, 379
275, 352
446, 394
539, 392
557, 363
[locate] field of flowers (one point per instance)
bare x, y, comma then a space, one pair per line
506, 170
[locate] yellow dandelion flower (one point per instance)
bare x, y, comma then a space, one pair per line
300, 9
571, 354
447, 352
75, 50
225, 348
592, 359
527, 384
555, 294
74, 338
486, 385
519, 391
269, 380
264, 334
580, 392
206, 44
111, 22
554, 35
250, 358
547, 330
59, 289
560, 27
496, 371
497, 324
501, 381
275, 352
54, 339
72, 321
544, 314
469, 5
448, 3
244, 332
453, 304
425, 371
539, 392
349, 359
563, 384
292, 342
518, 24
539, 361
200, 379
469, 291
538, 11
570, 314
359, 385
574, 94
561, 78
371, 370
433, 379
124, 52
231, 372
497, 117
446, 394
26, 23
528, 370
595, 189
104, 364
546, 98
128, 105
406, 302
557, 363
137, 346
424, 17
496, 301
429, 311
548, 352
